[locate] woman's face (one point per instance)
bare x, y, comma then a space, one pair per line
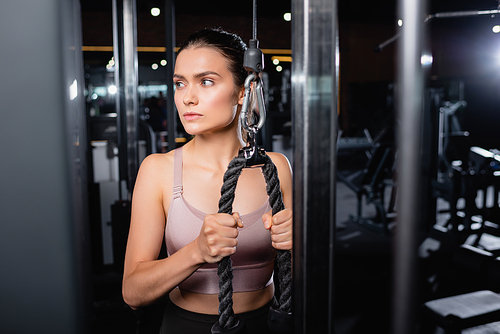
205, 94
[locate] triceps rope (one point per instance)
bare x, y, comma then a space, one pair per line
280, 314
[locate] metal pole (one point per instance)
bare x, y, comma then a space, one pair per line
170, 57
468, 13
126, 80
410, 95
445, 15
314, 114
254, 20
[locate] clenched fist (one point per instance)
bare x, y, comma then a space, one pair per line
218, 235
280, 226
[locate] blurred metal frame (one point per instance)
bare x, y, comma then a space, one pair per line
410, 106
170, 57
314, 115
126, 80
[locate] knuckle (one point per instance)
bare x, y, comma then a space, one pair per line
211, 241
212, 252
212, 219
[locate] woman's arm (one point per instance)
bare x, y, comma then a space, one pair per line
147, 279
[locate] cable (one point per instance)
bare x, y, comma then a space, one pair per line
254, 36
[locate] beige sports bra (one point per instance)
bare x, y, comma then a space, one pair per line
253, 262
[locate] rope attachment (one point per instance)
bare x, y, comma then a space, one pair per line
280, 314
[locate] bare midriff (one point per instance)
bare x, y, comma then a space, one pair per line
209, 304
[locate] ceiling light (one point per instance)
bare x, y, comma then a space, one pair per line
426, 60
155, 11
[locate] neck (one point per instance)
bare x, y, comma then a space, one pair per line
215, 149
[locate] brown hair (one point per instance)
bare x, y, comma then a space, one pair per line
231, 46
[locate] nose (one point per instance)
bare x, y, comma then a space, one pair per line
190, 96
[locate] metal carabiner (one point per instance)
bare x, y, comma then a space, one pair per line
252, 77
246, 100
254, 155
254, 63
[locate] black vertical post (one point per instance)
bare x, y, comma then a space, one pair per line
314, 115
170, 58
126, 80
410, 105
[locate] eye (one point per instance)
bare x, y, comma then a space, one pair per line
178, 84
207, 82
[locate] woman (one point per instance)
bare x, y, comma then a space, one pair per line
176, 197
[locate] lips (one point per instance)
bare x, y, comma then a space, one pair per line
191, 116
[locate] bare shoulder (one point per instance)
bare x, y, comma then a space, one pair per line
285, 176
156, 172
281, 162
158, 162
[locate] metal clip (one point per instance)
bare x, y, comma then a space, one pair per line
255, 155
252, 77
253, 63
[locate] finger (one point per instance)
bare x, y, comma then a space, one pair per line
228, 251
224, 252
281, 228
280, 238
218, 242
287, 245
267, 220
237, 219
282, 217
227, 220
222, 224
228, 232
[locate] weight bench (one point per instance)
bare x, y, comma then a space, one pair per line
371, 182
457, 313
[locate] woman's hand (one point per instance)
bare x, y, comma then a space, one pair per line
218, 235
280, 226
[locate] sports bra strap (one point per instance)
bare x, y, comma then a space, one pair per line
177, 190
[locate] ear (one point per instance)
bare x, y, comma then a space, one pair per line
241, 95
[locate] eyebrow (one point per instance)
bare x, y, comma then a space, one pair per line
198, 75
